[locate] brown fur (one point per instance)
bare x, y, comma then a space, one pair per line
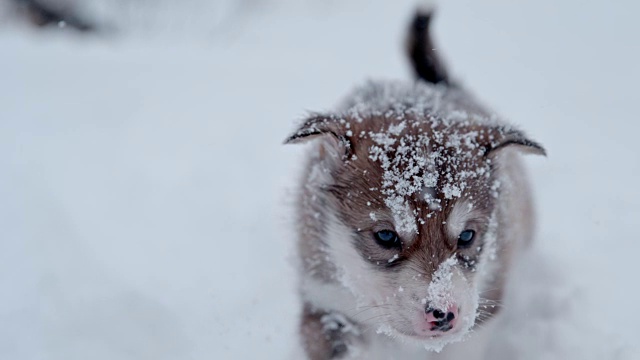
324, 336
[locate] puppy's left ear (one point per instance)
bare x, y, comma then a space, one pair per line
513, 139
319, 125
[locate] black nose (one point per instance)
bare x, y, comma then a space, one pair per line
438, 314
450, 316
440, 320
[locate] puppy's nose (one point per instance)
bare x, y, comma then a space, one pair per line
441, 320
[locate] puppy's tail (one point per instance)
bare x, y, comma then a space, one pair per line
422, 53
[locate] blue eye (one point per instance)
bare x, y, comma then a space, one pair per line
465, 238
387, 238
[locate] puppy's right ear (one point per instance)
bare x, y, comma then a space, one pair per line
317, 124
321, 125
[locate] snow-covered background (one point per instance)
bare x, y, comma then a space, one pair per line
145, 194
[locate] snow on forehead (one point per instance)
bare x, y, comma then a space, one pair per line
413, 159
395, 98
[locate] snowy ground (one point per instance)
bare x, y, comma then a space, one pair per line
144, 196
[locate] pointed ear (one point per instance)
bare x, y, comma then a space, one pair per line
512, 138
321, 125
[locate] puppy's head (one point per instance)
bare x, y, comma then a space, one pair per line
410, 217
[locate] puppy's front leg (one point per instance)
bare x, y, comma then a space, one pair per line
328, 334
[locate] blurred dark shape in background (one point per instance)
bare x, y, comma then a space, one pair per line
152, 18
42, 13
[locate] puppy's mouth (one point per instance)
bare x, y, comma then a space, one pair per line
425, 333
434, 331
434, 341
450, 332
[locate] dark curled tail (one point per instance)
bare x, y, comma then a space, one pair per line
423, 56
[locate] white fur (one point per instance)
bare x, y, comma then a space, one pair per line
462, 212
354, 273
327, 295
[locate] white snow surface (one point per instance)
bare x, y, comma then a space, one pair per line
145, 196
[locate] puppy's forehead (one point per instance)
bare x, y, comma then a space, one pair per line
413, 165
419, 156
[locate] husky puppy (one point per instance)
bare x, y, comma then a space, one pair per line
412, 205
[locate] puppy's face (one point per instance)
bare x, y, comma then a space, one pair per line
411, 220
